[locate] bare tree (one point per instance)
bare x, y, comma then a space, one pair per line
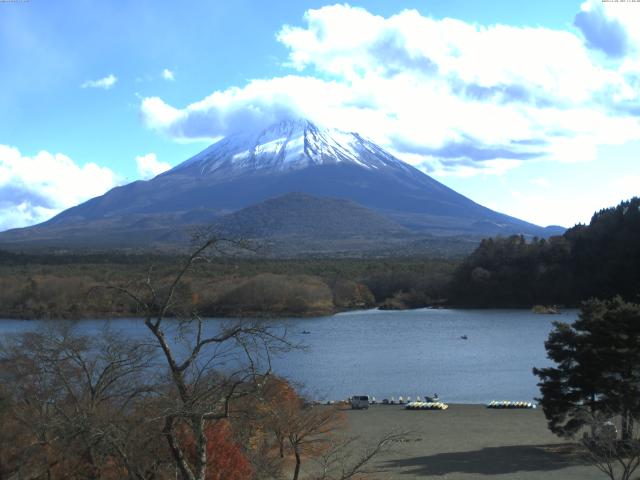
196, 358
345, 460
308, 430
73, 400
618, 458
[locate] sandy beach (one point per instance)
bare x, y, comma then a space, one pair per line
469, 442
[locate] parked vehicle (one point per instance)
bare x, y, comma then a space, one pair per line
359, 401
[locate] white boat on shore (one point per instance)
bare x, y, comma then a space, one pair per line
426, 406
506, 404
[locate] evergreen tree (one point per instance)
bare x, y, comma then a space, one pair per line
601, 259
597, 368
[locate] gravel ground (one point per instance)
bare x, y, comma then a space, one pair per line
469, 442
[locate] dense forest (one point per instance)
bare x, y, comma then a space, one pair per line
601, 259
63, 285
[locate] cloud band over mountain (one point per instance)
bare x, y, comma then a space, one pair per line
443, 94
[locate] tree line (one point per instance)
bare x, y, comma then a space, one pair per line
52, 286
601, 259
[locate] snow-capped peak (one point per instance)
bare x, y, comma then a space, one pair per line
287, 145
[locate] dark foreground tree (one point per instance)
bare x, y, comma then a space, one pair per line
595, 384
597, 368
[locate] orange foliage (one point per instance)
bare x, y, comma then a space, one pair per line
279, 393
296, 425
225, 458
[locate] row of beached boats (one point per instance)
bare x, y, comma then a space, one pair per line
426, 406
405, 400
444, 406
429, 403
508, 404
363, 401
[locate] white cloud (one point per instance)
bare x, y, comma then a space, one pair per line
625, 187
561, 201
260, 102
168, 75
33, 189
149, 166
106, 83
540, 182
566, 210
446, 95
611, 27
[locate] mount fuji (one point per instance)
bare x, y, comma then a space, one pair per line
238, 177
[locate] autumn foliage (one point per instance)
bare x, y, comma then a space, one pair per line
225, 457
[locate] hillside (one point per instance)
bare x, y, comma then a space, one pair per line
308, 216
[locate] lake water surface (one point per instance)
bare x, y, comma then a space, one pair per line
408, 353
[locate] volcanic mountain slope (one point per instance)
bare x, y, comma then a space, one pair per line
249, 168
300, 214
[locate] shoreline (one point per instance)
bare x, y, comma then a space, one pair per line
270, 315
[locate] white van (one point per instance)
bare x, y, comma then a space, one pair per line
359, 401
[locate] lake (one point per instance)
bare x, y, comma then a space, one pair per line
408, 353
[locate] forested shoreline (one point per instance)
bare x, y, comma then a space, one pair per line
36, 286
600, 260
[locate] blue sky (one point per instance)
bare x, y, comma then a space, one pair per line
530, 108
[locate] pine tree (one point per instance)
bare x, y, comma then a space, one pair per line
597, 368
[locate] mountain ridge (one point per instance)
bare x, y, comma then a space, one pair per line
249, 168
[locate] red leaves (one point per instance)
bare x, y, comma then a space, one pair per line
225, 458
